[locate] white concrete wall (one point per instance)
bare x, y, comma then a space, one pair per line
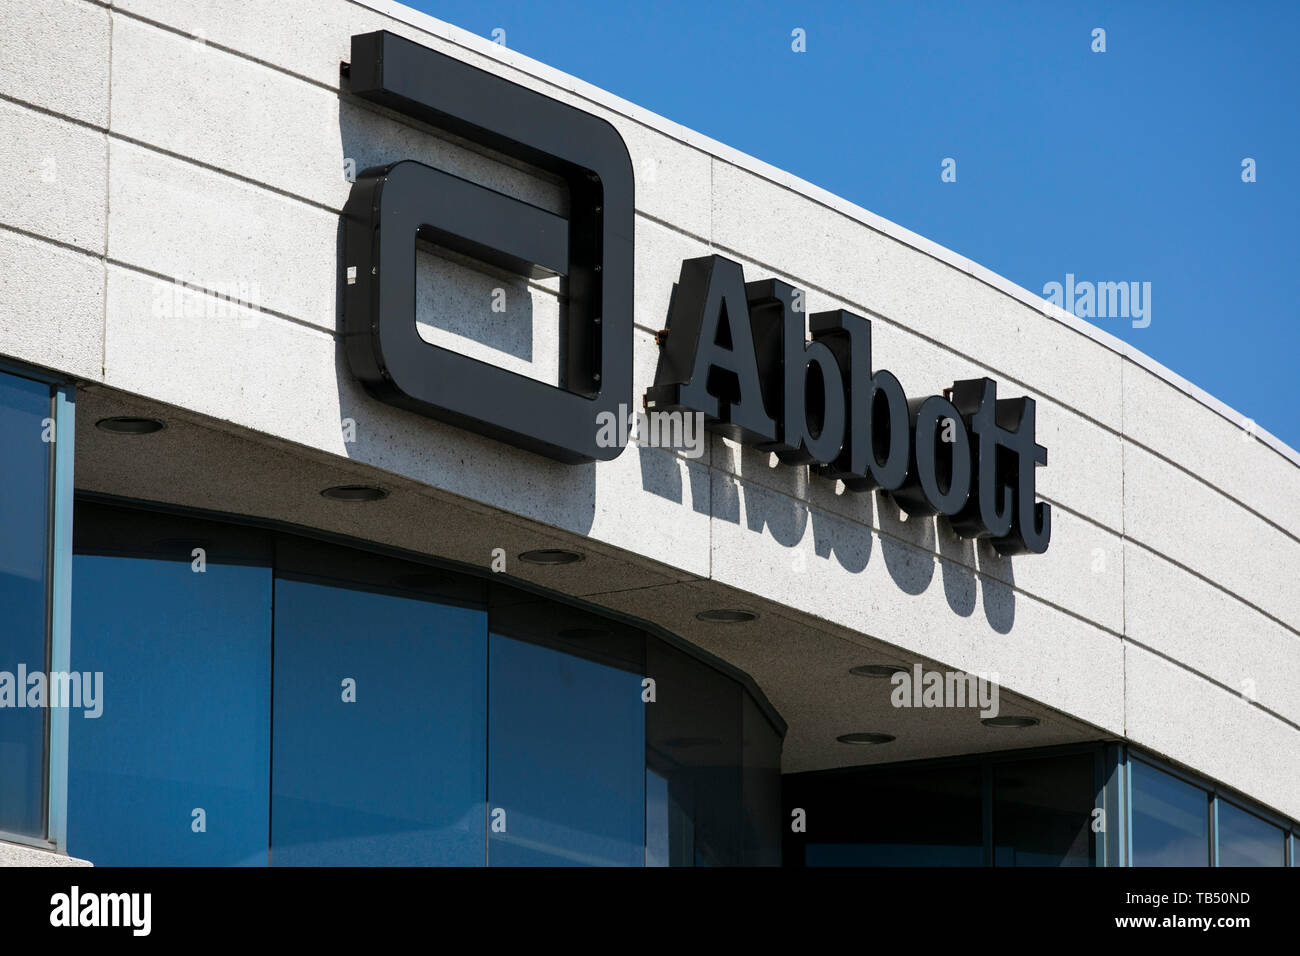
152, 141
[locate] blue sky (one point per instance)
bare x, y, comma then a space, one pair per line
1122, 166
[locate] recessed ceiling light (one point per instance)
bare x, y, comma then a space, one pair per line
1009, 720
550, 556
878, 670
865, 738
125, 425
354, 493
726, 615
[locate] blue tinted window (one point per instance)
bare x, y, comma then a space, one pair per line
761, 757
1042, 812
567, 759
694, 781
185, 723
389, 770
1246, 840
372, 743
24, 543
1171, 819
659, 822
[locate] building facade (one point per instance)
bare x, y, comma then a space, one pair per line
286, 583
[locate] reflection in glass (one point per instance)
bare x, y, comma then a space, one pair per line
1042, 812
379, 729
761, 750
175, 770
658, 825
24, 542
566, 742
383, 748
693, 745
1170, 819
1246, 840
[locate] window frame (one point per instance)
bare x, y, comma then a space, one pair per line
1104, 783
58, 601
276, 535
1215, 793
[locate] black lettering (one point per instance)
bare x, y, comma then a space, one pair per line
804, 390
708, 363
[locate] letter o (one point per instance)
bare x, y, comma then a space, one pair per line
939, 482
887, 432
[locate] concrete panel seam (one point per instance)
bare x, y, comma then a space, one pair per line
167, 27
871, 529
673, 227
875, 315
1214, 584
1050, 499
209, 167
1210, 680
108, 200
53, 114
1293, 535
192, 287
59, 243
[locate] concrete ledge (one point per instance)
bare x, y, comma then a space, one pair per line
15, 854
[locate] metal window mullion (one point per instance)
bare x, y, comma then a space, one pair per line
1126, 792
60, 609
1214, 828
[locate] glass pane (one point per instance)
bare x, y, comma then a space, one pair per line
693, 762
659, 823
566, 766
175, 770
1246, 840
379, 729
761, 751
1042, 812
1171, 819
891, 818
24, 544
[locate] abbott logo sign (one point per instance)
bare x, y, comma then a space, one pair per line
392, 206
737, 353
735, 356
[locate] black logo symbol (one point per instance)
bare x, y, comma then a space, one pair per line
391, 206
